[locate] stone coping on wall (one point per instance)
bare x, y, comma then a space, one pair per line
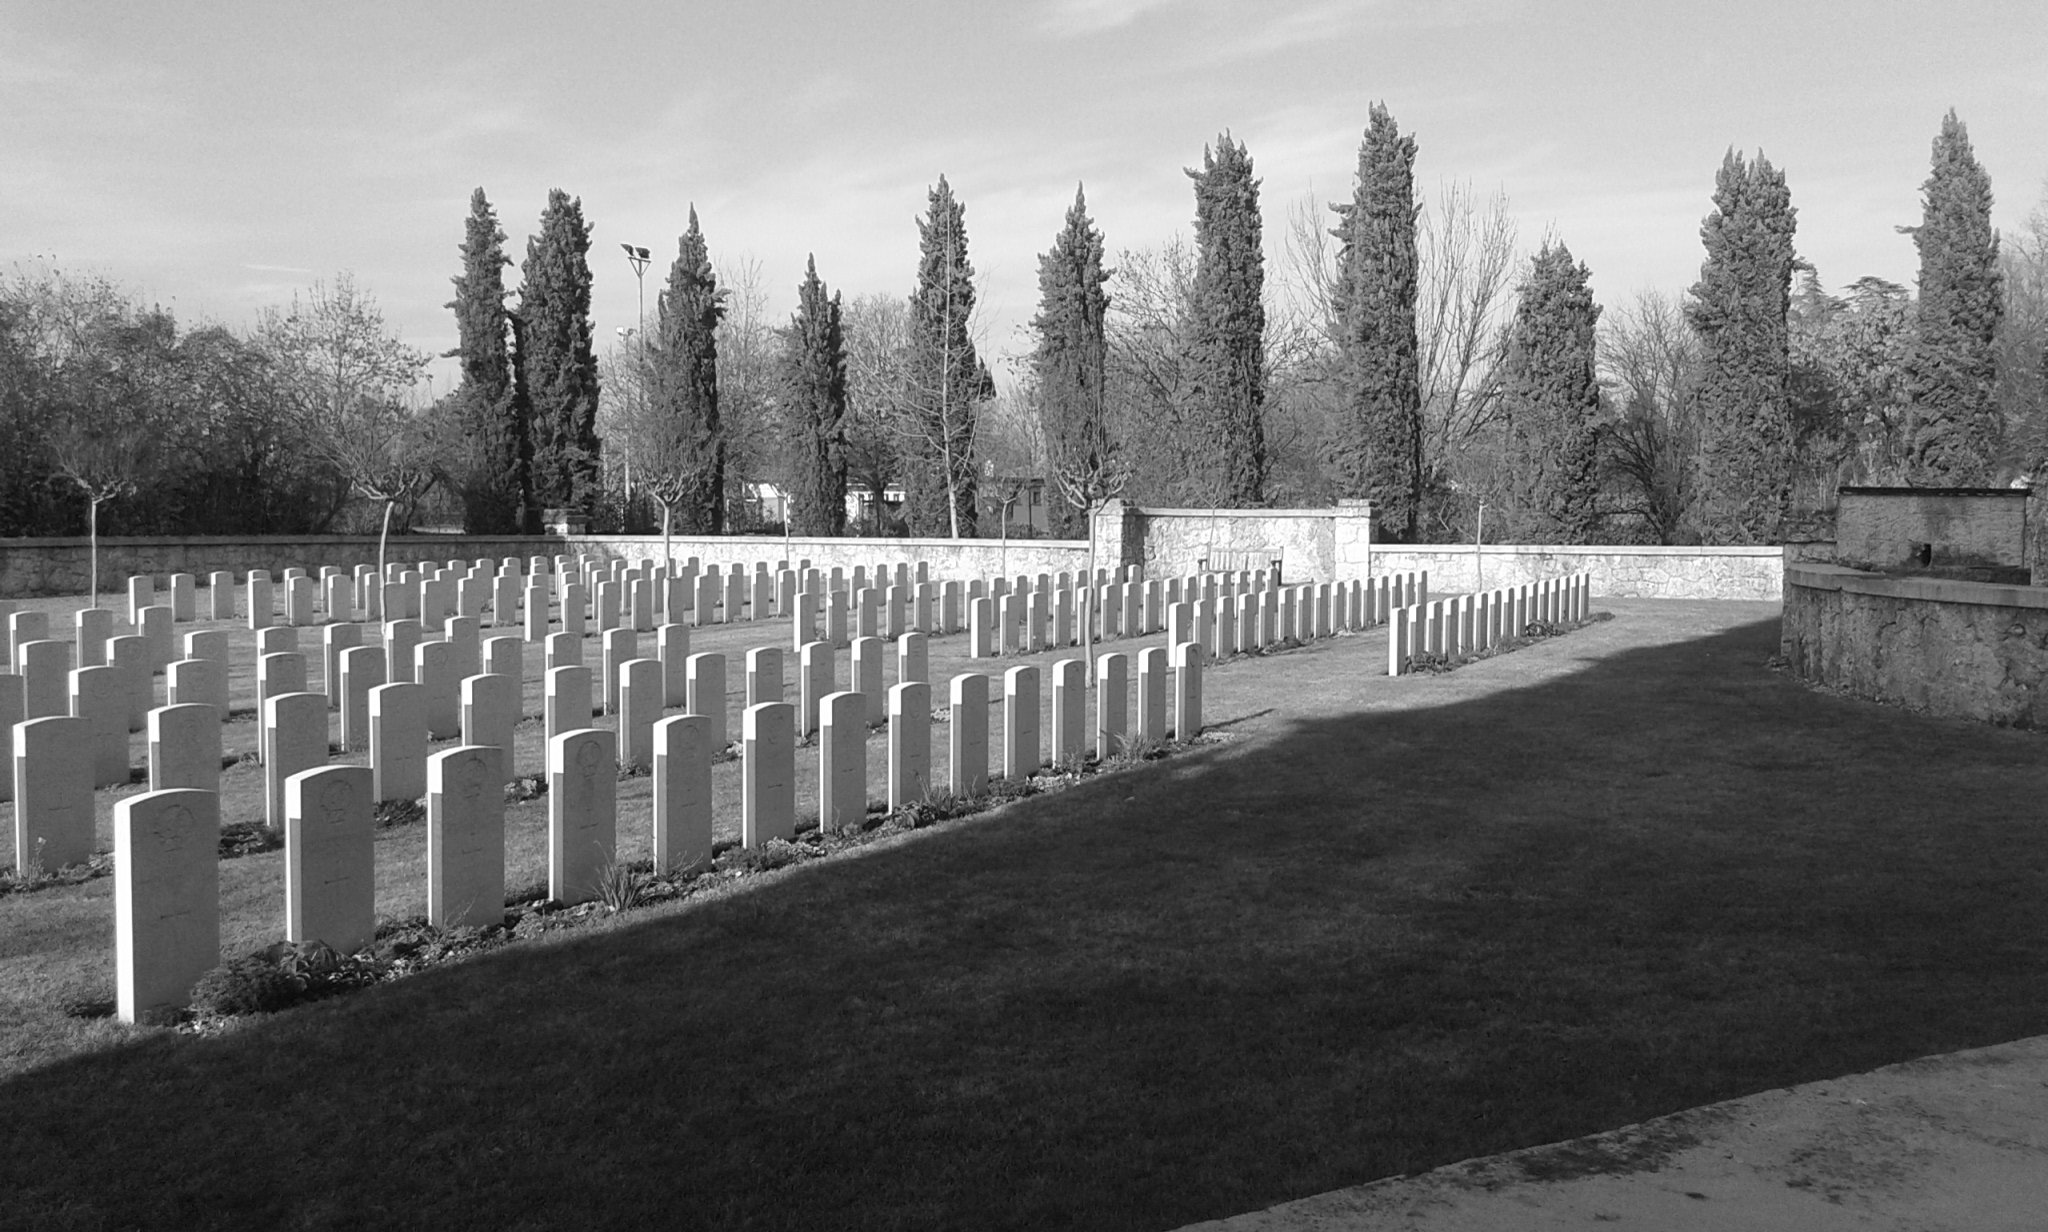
1926, 590
1581, 549
558, 541
1322, 514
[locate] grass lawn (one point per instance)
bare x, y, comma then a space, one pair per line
1387, 924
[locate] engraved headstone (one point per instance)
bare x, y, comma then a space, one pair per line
330, 889
465, 837
768, 773
582, 812
166, 899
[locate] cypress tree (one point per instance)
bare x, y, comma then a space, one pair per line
556, 358
1553, 402
1377, 453
1227, 323
946, 378
1952, 367
1738, 310
814, 402
1069, 365
684, 456
495, 483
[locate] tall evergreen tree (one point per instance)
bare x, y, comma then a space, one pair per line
1377, 453
1552, 401
1738, 309
947, 380
1226, 361
495, 482
1069, 367
681, 451
1952, 368
814, 409
556, 357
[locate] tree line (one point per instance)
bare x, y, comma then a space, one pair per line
1405, 351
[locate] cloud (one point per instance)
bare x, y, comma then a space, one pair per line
1072, 18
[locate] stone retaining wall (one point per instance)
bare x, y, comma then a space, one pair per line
1969, 649
1621, 572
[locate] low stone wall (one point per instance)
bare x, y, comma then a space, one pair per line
1969, 649
1621, 572
1322, 545
30, 567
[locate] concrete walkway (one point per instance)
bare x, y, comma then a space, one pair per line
1956, 1142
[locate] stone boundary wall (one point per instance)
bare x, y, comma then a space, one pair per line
1968, 649
1314, 545
1619, 571
1321, 545
31, 567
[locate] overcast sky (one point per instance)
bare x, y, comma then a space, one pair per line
216, 156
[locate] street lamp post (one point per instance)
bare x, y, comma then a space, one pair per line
638, 258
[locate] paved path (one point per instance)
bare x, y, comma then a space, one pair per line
1956, 1142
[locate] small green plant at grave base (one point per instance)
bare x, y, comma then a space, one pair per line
1428, 662
400, 813
618, 886
525, 787
634, 772
35, 876
248, 838
1140, 749
280, 975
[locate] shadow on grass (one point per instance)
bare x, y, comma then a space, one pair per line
1363, 946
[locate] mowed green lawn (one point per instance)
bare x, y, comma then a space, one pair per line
1385, 925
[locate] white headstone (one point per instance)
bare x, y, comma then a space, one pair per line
705, 680
1152, 670
620, 645
1021, 757
640, 706
682, 792
1112, 704
12, 706
764, 675
362, 669
166, 898
490, 712
1069, 711
1187, 691
294, 739
435, 670
672, 647
842, 761
465, 837
566, 700
46, 670
99, 696
330, 891
910, 743
865, 675
816, 676
582, 812
93, 626
131, 655
184, 747
398, 741
401, 638
53, 815
768, 773
968, 764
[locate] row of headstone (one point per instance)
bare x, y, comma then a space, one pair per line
167, 926
1467, 624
